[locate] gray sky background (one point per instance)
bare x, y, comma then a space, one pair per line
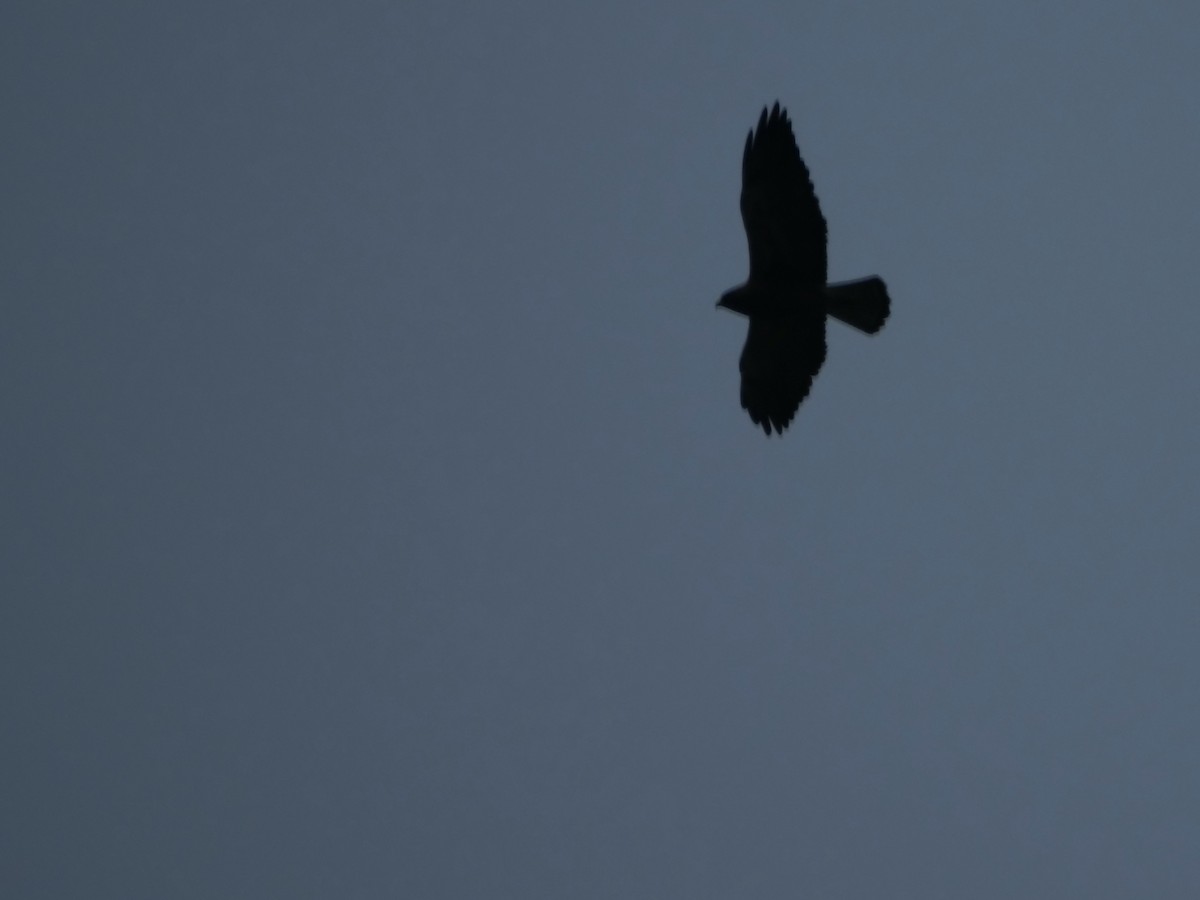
379, 517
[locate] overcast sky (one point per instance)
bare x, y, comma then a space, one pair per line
379, 518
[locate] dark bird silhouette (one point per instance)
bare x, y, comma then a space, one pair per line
787, 297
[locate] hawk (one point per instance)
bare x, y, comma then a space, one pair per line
787, 297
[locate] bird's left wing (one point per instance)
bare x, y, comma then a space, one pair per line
784, 225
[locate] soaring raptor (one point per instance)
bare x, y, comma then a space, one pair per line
786, 297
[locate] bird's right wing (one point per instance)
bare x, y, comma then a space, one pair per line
781, 358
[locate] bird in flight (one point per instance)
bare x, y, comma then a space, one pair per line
787, 297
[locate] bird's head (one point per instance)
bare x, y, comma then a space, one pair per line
736, 300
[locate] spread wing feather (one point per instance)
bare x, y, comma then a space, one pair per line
781, 357
784, 225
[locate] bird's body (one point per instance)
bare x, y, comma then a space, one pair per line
787, 297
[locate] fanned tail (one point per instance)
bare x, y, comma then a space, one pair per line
861, 304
